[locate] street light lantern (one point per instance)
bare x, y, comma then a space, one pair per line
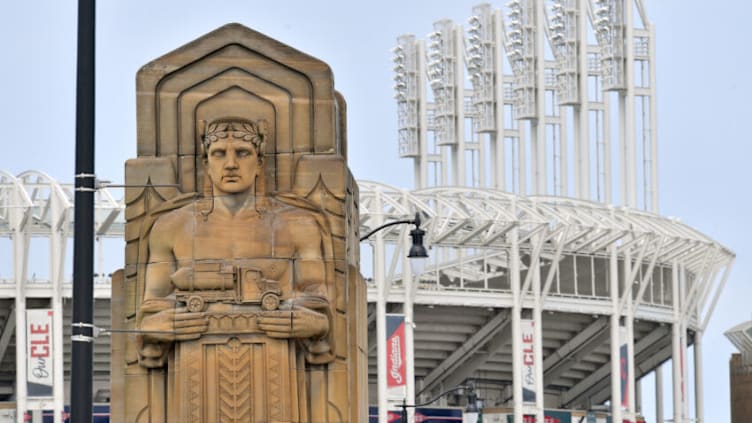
418, 254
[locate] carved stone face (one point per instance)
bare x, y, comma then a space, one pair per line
233, 165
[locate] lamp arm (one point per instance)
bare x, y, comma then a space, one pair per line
386, 225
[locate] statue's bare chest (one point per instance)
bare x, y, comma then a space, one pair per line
247, 236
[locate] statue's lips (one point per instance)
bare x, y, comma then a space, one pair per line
231, 178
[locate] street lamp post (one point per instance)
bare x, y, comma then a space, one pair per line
83, 239
417, 256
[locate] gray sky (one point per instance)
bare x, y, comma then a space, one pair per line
704, 89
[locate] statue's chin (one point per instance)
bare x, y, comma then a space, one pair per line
230, 188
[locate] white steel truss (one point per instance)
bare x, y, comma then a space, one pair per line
476, 225
496, 250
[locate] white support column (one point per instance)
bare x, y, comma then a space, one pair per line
578, 153
497, 161
499, 166
622, 153
629, 110
381, 288
699, 400
459, 106
534, 172
631, 387
538, 343
653, 125
563, 155
422, 173
516, 316
608, 174
676, 358
479, 170
57, 273
659, 394
409, 285
20, 270
521, 157
539, 125
582, 112
615, 359
685, 372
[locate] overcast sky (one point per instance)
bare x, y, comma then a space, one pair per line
704, 90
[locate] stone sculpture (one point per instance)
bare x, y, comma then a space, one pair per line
244, 296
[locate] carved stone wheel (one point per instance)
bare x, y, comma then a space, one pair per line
269, 301
195, 304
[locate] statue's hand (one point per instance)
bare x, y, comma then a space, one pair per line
174, 324
293, 322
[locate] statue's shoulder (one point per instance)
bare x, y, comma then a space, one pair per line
170, 214
175, 218
292, 207
291, 203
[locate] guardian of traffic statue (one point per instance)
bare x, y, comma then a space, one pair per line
241, 294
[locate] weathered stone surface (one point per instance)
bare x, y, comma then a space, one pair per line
241, 277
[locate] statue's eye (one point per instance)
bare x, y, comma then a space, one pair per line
218, 153
244, 153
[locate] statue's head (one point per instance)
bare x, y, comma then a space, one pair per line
233, 150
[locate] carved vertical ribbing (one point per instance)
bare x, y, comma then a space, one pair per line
234, 368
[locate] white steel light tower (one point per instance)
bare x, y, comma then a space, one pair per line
550, 196
409, 66
446, 78
546, 128
484, 64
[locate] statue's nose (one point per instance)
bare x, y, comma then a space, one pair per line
231, 162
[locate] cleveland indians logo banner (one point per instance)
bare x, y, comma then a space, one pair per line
395, 351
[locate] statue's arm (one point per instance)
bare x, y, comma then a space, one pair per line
311, 268
161, 262
160, 320
312, 283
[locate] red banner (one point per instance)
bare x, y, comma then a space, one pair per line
395, 351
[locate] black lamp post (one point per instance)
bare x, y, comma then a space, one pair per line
83, 240
471, 407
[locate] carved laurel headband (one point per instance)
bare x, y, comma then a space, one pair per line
237, 128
